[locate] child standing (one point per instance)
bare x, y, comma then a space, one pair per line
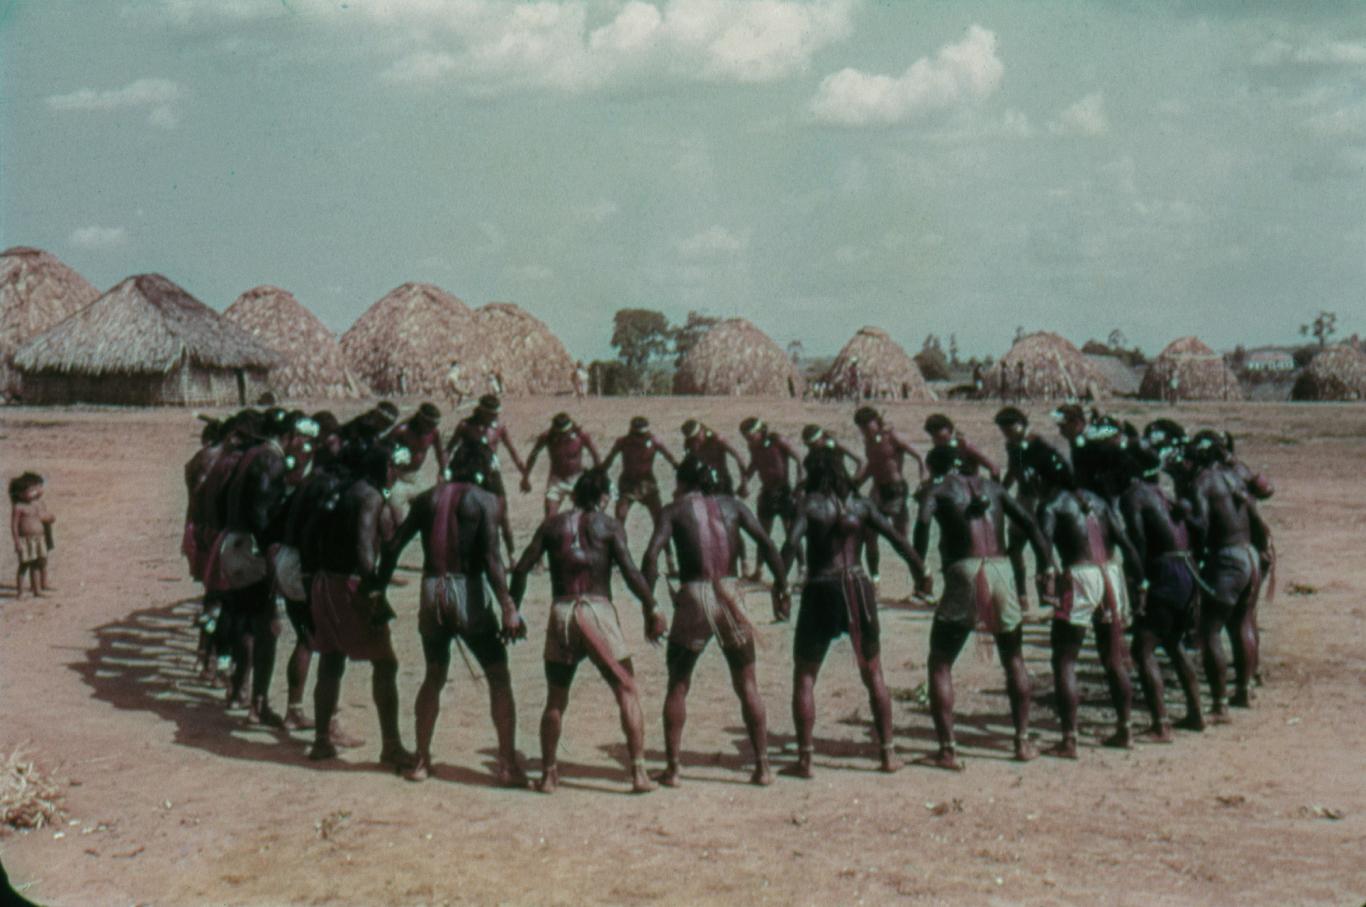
31, 527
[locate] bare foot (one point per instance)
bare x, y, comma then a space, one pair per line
1066, 748
396, 757
888, 763
799, 769
1193, 721
343, 739
762, 775
1121, 739
550, 779
1024, 750
510, 774
262, 714
668, 777
943, 758
322, 750
640, 781
1159, 733
419, 771
1241, 699
296, 720
1219, 714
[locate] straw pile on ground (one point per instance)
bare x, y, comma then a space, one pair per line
736, 359
1201, 373
1337, 373
405, 342
28, 798
36, 291
1053, 369
874, 366
522, 351
312, 364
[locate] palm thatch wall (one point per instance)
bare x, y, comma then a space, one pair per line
879, 366
36, 291
736, 359
405, 342
1337, 373
312, 363
1053, 369
144, 342
1201, 373
522, 350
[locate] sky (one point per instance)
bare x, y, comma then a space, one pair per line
925, 166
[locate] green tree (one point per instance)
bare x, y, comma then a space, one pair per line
1321, 328
641, 337
686, 335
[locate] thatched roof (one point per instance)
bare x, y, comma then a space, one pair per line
880, 365
1337, 373
1124, 380
735, 358
1201, 373
312, 365
519, 347
145, 325
414, 331
1053, 369
36, 291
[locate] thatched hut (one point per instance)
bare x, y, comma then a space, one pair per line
1200, 373
146, 342
405, 342
1123, 379
1337, 373
312, 365
1048, 367
874, 366
37, 290
736, 359
522, 351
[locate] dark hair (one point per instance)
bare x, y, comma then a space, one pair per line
938, 422
372, 463
1011, 415
561, 422
812, 433
429, 411
1049, 466
327, 422
471, 463
639, 423
212, 432
1207, 447
490, 403
690, 428
693, 473
752, 423
20, 484
866, 414
826, 473
943, 460
388, 408
591, 488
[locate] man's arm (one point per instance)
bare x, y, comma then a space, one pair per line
1133, 562
898, 542
665, 452
658, 539
1197, 517
655, 624
728, 450
523, 468
794, 547
418, 515
592, 448
908, 448
853, 457
367, 539
972, 453
530, 460
1131, 508
612, 454
1043, 554
791, 453
443, 458
769, 548
267, 488
486, 537
530, 557
924, 519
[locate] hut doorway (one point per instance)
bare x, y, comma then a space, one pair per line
241, 377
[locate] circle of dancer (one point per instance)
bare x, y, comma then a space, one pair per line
1142, 539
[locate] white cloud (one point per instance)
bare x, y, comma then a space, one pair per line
530, 273
95, 237
958, 74
1348, 120
158, 96
1321, 52
489, 46
713, 241
1085, 117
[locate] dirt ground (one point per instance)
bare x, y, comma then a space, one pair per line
171, 800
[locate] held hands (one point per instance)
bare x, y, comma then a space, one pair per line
526, 484
514, 628
924, 588
1047, 585
744, 489
782, 604
656, 627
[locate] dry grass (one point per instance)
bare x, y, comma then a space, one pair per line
313, 365
883, 369
28, 798
1053, 369
736, 359
519, 347
1337, 373
1201, 372
145, 325
36, 292
405, 342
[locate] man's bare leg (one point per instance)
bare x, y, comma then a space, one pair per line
558, 679
946, 641
1150, 679
1010, 646
426, 709
384, 690
19, 582
872, 554
624, 688
1213, 617
1066, 644
503, 710
1190, 684
296, 678
680, 662
42, 577
264, 630
1110, 644
804, 675
746, 685
326, 692
1243, 635
880, 702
